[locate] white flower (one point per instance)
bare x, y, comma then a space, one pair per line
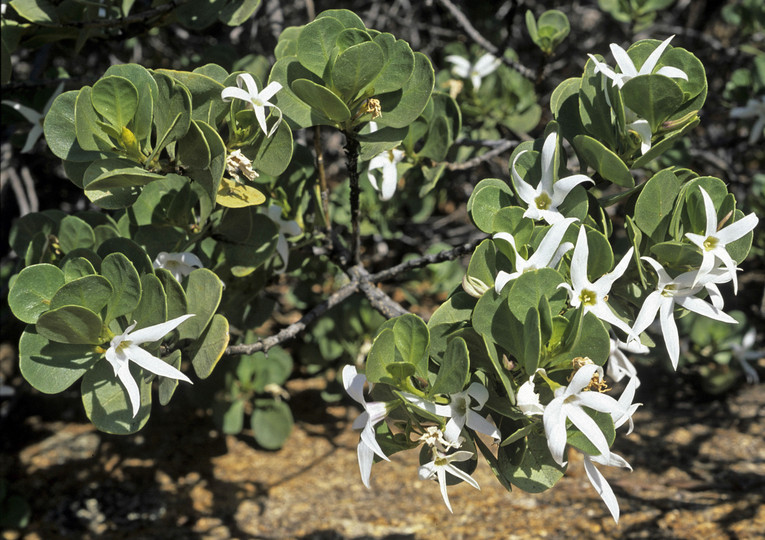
178, 264
434, 437
642, 128
286, 228
593, 296
485, 65
459, 411
527, 399
387, 161
618, 363
599, 482
125, 348
257, 101
543, 200
754, 108
374, 413
442, 464
682, 291
712, 243
628, 68
568, 404
548, 254
744, 352
33, 117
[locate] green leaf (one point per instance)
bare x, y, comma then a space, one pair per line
74, 233
532, 344
382, 353
297, 112
454, 369
148, 93
36, 11
126, 285
273, 368
31, 293
92, 292
60, 131
322, 100
152, 308
193, 150
206, 103
401, 108
594, 109
652, 97
398, 65
238, 12
167, 385
655, 203
528, 464
209, 348
88, 125
604, 161
106, 401
412, 341
77, 267
347, 18
229, 416
316, 43
115, 99
486, 201
203, 293
111, 173
271, 423
75, 325
175, 295
52, 367
527, 290
355, 68
272, 155
172, 112
135, 253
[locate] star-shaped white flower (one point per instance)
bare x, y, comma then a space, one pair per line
386, 161
568, 404
374, 413
628, 68
544, 199
485, 65
754, 108
712, 243
441, 464
459, 411
599, 481
257, 101
618, 363
286, 228
593, 296
33, 117
179, 264
743, 352
125, 348
682, 291
527, 400
548, 254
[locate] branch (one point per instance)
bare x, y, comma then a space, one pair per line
497, 150
351, 162
295, 328
476, 36
447, 255
379, 300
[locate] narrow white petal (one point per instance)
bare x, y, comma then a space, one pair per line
582, 378
526, 193
260, 115
699, 306
390, 180
479, 393
623, 60
461, 66
157, 331
650, 63
134, 394
154, 364
672, 73
368, 438
441, 473
563, 187
737, 229
269, 91
643, 129
606, 281
601, 402
232, 92
478, 423
502, 279
588, 427
548, 161
711, 214
486, 64
249, 82
648, 311
366, 458
602, 487
669, 330
354, 384
579, 261
555, 429
459, 473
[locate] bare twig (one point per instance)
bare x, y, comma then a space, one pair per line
351, 162
322, 176
296, 328
442, 256
494, 152
476, 36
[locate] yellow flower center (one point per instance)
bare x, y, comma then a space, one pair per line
543, 201
669, 290
588, 297
710, 243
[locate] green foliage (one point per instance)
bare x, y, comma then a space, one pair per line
549, 31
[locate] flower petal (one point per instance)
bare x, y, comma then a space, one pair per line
650, 63
624, 61
156, 365
555, 429
157, 331
602, 487
366, 458
563, 187
131, 387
